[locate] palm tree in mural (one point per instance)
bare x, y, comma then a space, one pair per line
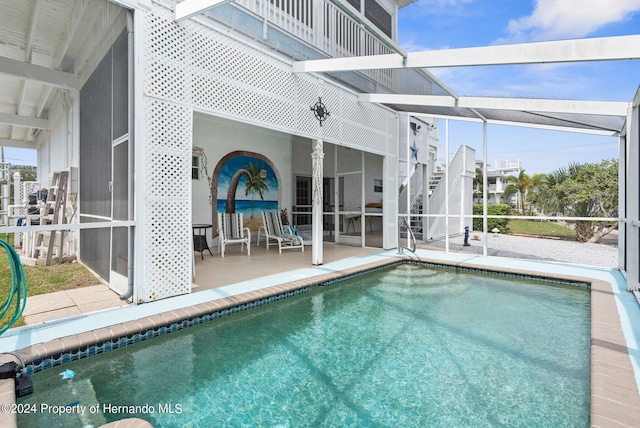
255, 183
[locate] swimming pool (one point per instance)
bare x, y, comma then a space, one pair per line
407, 346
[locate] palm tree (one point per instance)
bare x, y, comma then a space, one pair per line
233, 186
519, 186
478, 184
562, 199
254, 183
538, 185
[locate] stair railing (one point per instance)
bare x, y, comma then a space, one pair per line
413, 238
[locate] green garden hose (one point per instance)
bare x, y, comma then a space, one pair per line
17, 298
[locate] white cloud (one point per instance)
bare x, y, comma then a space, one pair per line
555, 19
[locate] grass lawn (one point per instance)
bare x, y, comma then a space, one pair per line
541, 228
43, 279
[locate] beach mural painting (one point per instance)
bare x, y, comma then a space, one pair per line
246, 182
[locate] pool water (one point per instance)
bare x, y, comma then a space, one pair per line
408, 346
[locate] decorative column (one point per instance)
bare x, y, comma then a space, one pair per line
317, 156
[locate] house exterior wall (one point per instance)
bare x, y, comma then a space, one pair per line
59, 145
196, 66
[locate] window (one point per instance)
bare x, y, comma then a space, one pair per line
378, 16
355, 4
195, 167
377, 185
303, 201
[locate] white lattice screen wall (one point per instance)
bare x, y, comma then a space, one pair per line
192, 66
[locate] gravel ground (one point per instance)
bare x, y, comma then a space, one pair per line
521, 247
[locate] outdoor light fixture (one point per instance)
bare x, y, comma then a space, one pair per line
320, 111
415, 128
263, 173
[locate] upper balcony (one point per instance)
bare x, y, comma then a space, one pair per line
314, 29
508, 166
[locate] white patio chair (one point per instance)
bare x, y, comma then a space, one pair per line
230, 231
272, 229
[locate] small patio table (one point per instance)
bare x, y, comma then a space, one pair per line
200, 238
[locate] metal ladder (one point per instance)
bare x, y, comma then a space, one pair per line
56, 201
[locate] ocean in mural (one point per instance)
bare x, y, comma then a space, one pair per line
247, 206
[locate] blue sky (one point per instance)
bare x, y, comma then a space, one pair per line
20, 156
449, 24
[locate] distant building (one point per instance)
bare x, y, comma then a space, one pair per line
497, 182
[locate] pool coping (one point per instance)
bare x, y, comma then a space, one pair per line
615, 400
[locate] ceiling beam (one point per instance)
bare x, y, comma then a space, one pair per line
18, 144
591, 131
78, 16
563, 51
38, 73
30, 122
189, 8
414, 100
372, 62
28, 49
604, 108
574, 130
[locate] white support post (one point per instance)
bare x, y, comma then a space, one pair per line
408, 190
363, 192
446, 186
622, 203
633, 199
336, 197
485, 184
317, 156
16, 189
17, 200
425, 199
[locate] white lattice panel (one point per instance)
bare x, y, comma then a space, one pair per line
307, 91
168, 125
332, 128
362, 125
167, 225
234, 79
168, 255
166, 59
193, 66
27, 188
393, 134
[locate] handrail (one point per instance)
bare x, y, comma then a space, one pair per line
413, 238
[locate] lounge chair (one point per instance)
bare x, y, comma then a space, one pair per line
272, 229
230, 231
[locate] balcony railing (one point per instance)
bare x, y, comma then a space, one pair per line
508, 165
333, 31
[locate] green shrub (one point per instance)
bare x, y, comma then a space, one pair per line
495, 209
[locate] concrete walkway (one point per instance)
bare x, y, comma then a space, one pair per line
62, 304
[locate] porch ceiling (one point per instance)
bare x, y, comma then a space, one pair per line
44, 50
